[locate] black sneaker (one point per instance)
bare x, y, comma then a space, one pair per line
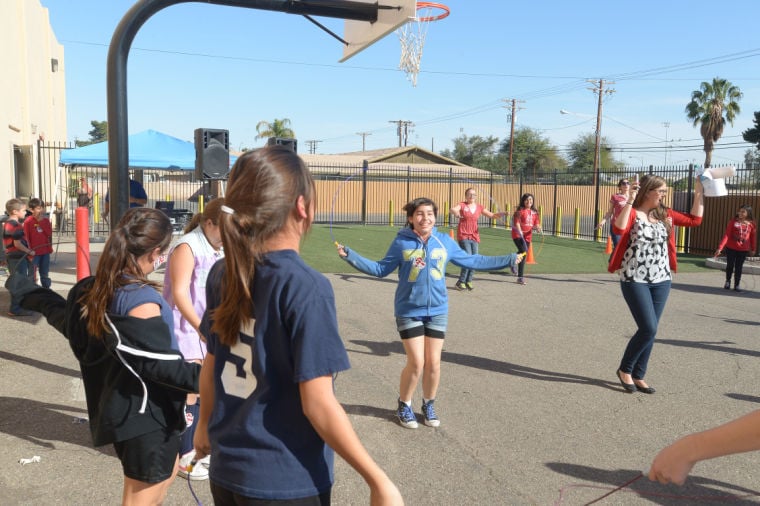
469, 286
727, 286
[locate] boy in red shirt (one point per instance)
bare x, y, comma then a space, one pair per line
38, 232
16, 249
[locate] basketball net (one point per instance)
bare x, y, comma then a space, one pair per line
412, 37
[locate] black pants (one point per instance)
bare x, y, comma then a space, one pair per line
734, 263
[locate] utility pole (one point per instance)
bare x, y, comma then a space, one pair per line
402, 130
512, 127
364, 136
312, 146
600, 91
666, 124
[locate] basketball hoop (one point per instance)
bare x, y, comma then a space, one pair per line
412, 36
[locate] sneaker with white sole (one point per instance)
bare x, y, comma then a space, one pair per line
206, 461
428, 411
406, 416
193, 471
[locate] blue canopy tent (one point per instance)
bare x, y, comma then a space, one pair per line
147, 150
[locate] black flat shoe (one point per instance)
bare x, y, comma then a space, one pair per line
629, 387
646, 390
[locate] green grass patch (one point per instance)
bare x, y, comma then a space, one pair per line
553, 255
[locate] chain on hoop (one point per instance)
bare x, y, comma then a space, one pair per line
412, 37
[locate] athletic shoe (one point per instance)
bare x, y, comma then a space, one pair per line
469, 286
428, 411
198, 472
460, 286
206, 461
21, 312
521, 281
406, 416
727, 286
736, 288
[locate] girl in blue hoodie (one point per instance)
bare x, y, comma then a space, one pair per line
420, 253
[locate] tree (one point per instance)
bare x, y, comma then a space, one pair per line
277, 128
581, 155
474, 151
753, 134
711, 106
99, 133
532, 154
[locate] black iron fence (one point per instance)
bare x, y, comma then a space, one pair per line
570, 204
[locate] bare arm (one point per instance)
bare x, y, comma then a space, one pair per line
456, 210
200, 439
607, 215
181, 265
698, 206
674, 463
330, 421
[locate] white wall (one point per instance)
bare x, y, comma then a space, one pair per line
32, 95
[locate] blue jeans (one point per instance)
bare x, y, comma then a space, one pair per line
471, 247
23, 267
42, 264
646, 302
615, 237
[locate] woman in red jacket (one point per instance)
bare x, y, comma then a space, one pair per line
646, 259
740, 238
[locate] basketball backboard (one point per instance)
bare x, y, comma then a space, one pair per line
362, 34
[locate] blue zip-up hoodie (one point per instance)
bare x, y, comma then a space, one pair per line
421, 267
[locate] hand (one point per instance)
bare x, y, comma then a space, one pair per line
672, 464
385, 494
201, 442
717, 252
341, 250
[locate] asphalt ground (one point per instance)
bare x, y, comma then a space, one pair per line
531, 410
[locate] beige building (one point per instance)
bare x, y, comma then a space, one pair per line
32, 96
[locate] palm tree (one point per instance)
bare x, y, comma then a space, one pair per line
707, 107
277, 128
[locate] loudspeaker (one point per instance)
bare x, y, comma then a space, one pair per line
291, 143
212, 153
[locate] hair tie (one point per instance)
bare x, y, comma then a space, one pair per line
227, 210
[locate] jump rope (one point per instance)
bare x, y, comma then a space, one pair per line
474, 185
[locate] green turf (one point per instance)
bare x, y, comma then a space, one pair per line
553, 255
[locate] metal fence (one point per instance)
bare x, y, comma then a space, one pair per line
569, 203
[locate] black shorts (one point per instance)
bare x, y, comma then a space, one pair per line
149, 458
223, 497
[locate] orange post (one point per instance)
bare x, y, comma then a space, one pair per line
451, 234
529, 260
82, 224
608, 249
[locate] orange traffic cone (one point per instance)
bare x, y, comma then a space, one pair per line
530, 260
451, 234
608, 249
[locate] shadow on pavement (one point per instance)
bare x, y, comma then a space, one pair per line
696, 489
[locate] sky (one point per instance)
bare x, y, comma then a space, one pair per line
197, 65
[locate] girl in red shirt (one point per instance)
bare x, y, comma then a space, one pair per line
740, 238
468, 235
525, 220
